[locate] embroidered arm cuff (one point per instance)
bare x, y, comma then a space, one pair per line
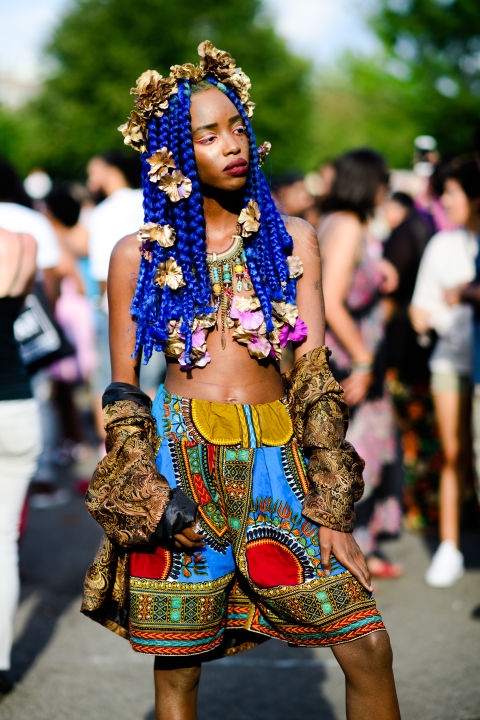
127, 495
320, 420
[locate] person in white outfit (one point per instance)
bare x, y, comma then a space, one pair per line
449, 261
20, 432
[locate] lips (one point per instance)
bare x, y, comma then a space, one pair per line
237, 168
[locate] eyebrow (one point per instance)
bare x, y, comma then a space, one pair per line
214, 125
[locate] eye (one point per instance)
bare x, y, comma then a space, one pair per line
206, 140
239, 129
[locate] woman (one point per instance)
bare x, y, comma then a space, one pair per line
20, 435
449, 261
227, 559
354, 278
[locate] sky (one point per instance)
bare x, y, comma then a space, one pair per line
319, 29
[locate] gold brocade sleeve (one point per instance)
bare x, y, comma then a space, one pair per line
127, 495
320, 420
106, 588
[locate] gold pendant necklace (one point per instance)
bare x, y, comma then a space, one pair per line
229, 275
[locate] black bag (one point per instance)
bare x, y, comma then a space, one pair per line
40, 338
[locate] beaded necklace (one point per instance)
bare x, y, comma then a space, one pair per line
229, 275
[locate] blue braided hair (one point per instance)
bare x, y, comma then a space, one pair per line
153, 307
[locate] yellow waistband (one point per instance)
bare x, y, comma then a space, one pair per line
228, 424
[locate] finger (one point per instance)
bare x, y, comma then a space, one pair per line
325, 553
359, 570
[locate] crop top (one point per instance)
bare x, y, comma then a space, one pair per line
247, 321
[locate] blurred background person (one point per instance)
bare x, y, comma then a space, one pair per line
427, 169
448, 261
291, 194
74, 313
404, 247
407, 355
354, 278
20, 432
17, 214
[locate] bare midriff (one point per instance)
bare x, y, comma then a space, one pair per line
231, 376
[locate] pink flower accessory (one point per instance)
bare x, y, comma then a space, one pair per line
296, 334
175, 346
247, 311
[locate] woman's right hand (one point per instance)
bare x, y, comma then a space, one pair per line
189, 539
356, 386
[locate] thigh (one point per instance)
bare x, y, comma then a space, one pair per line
449, 405
20, 444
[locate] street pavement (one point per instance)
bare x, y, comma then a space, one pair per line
69, 668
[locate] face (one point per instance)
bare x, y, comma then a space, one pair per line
96, 170
456, 202
220, 141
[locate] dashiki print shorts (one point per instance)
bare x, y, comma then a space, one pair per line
259, 573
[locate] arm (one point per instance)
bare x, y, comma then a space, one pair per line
127, 495
468, 293
341, 245
320, 419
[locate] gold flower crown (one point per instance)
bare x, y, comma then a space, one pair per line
154, 91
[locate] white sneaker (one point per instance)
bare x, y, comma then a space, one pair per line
446, 566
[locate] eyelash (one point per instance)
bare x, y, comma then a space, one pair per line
239, 129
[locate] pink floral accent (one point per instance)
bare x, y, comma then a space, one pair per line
296, 334
259, 346
248, 319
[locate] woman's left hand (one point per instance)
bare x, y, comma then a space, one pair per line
345, 548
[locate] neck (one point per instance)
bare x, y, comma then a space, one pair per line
221, 215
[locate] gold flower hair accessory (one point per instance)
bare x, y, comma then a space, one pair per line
169, 273
249, 219
295, 266
164, 173
151, 233
263, 151
153, 91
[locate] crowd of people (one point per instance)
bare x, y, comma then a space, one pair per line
215, 335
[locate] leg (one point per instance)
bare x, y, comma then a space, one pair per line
369, 681
476, 436
450, 411
19, 449
176, 692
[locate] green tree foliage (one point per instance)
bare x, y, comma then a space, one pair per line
102, 46
434, 47
426, 80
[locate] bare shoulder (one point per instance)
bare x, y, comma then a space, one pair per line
339, 225
304, 236
125, 257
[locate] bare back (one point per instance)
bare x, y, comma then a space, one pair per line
18, 252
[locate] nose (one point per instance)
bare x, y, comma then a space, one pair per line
231, 145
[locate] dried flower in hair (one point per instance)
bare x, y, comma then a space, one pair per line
161, 162
153, 93
295, 266
164, 172
249, 219
164, 235
175, 185
169, 273
133, 132
263, 151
